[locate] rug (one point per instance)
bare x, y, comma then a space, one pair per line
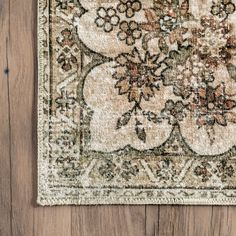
137, 102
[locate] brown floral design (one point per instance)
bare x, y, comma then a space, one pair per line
137, 76
67, 60
129, 7
165, 20
189, 69
213, 42
184, 71
222, 8
67, 57
107, 19
165, 170
212, 106
138, 79
174, 112
206, 171
129, 32
125, 169
185, 53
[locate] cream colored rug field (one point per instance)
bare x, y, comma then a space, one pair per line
137, 102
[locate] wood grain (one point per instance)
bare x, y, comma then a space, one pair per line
19, 214
231, 218
56, 219
221, 227
21, 83
179, 220
168, 220
108, 220
5, 187
200, 220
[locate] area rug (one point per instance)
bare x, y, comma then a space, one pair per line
137, 102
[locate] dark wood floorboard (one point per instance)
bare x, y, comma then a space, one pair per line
5, 170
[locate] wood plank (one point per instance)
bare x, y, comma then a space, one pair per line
50, 221
5, 186
108, 220
23, 154
231, 218
173, 220
179, 221
152, 220
221, 221
200, 220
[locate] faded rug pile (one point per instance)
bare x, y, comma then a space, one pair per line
137, 102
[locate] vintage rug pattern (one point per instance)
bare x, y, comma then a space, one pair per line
137, 102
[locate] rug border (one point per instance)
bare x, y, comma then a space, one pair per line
42, 148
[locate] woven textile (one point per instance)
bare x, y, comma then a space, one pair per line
137, 102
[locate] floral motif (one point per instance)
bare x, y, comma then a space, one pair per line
184, 72
66, 38
107, 18
182, 54
69, 48
129, 32
222, 8
67, 60
222, 171
166, 20
212, 106
174, 111
138, 78
165, 170
213, 42
68, 139
136, 75
203, 171
129, 7
64, 4
125, 169
70, 7
168, 23
65, 102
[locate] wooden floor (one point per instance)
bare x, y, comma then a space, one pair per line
19, 214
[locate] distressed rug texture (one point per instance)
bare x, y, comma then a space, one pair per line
137, 102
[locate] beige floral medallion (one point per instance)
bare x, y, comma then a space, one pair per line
137, 102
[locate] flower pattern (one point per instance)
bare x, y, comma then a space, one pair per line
167, 65
206, 171
129, 32
66, 60
214, 42
67, 56
107, 19
223, 8
165, 170
174, 111
125, 169
212, 106
136, 76
62, 4
129, 7
166, 20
